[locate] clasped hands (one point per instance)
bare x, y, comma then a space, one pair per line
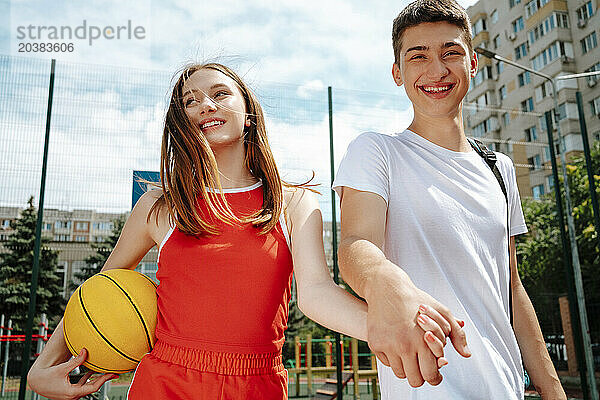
407, 331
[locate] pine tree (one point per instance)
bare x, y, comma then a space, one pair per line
95, 262
15, 273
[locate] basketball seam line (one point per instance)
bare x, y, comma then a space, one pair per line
100, 333
72, 349
150, 280
134, 307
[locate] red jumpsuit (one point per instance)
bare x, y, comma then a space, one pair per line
222, 312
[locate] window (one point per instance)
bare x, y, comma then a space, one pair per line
524, 78
562, 20
102, 226
521, 51
513, 3
534, 5
547, 155
482, 128
537, 162
551, 53
585, 11
531, 134
61, 272
595, 106
543, 91
550, 181
61, 238
62, 225
46, 226
530, 9
6, 224
527, 105
482, 74
506, 119
567, 110
589, 42
556, 19
542, 121
499, 67
81, 238
562, 114
482, 101
538, 191
502, 92
494, 16
594, 78
496, 41
81, 226
518, 25
479, 26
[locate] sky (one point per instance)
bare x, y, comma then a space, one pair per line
344, 44
111, 94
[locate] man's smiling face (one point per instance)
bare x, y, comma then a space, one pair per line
435, 67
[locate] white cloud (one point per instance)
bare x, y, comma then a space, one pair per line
306, 90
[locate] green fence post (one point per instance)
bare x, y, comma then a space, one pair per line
36, 251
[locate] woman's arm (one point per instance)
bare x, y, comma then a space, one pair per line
48, 375
319, 298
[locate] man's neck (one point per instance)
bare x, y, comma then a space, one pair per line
447, 132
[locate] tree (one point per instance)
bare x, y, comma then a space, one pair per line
95, 262
588, 239
15, 273
541, 259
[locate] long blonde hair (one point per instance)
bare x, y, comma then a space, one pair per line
188, 167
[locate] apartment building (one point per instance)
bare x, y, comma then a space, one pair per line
71, 234
505, 105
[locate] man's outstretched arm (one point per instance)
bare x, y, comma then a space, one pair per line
529, 336
392, 298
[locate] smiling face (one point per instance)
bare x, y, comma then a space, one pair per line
435, 67
214, 103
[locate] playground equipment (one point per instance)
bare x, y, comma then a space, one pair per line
350, 372
6, 339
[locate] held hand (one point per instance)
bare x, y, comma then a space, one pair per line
430, 326
53, 382
430, 319
400, 342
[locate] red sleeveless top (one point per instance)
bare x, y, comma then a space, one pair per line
227, 292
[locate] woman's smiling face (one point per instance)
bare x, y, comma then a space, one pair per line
214, 103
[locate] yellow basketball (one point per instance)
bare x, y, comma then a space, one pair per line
112, 315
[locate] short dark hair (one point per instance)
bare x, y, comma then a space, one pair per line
422, 11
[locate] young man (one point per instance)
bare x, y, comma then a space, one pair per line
435, 236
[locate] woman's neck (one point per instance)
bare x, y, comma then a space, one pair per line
233, 172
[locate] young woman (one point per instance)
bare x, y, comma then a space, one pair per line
228, 232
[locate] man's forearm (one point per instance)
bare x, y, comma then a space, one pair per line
533, 347
361, 263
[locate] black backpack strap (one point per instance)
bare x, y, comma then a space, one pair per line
490, 159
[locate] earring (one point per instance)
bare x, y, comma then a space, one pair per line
247, 122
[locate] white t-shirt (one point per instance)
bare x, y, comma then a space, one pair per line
446, 227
